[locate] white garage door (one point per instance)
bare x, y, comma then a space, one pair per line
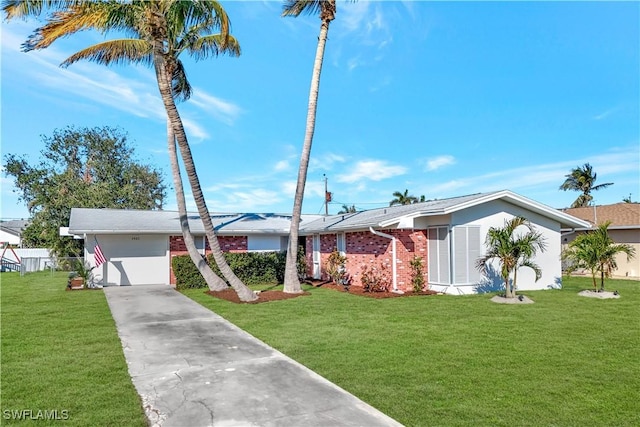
136, 259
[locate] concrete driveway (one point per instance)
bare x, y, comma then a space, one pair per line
193, 368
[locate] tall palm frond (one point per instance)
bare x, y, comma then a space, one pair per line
582, 178
402, 198
162, 30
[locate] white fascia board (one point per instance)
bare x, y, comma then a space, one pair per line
125, 231
524, 202
406, 221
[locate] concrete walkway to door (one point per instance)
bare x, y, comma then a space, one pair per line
193, 368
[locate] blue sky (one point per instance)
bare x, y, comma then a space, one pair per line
440, 98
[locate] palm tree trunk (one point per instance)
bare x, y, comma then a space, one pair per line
507, 286
513, 285
214, 282
291, 280
602, 278
164, 86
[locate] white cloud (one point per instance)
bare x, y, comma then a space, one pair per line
133, 90
281, 165
436, 163
546, 176
605, 114
225, 111
325, 161
353, 15
373, 170
353, 63
193, 130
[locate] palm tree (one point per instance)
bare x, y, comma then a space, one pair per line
582, 178
596, 251
162, 31
327, 11
214, 282
402, 198
512, 250
347, 209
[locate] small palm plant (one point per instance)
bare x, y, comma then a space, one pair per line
596, 251
336, 268
512, 250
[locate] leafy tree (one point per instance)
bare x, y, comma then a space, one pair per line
84, 168
512, 250
582, 178
596, 251
348, 209
161, 31
327, 11
402, 198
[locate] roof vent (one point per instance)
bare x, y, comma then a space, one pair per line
385, 211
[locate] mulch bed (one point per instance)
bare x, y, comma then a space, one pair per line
271, 295
264, 296
359, 290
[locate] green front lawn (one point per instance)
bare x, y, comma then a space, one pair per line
445, 361
61, 354
439, 360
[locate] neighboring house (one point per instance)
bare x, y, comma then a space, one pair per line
11, 231
624, 228
447, 234
139, 245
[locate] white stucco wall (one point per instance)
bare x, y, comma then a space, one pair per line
131, 259
494, 214
627, 268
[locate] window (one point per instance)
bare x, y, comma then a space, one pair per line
200, 242
263, 243
341, 243
466, 250
438, 255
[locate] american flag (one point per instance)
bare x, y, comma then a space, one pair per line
98, 256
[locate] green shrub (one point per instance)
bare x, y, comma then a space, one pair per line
253, 268
417, 278
187, 275
375, 279
335, 267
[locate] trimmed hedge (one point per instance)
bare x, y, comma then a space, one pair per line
253, 268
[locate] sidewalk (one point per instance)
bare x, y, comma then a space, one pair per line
193, 368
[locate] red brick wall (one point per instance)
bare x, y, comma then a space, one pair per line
365, 248
227, 244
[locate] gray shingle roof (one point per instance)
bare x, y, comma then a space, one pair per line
122, 221
376, 217
385, 217
14, 227
114, 221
